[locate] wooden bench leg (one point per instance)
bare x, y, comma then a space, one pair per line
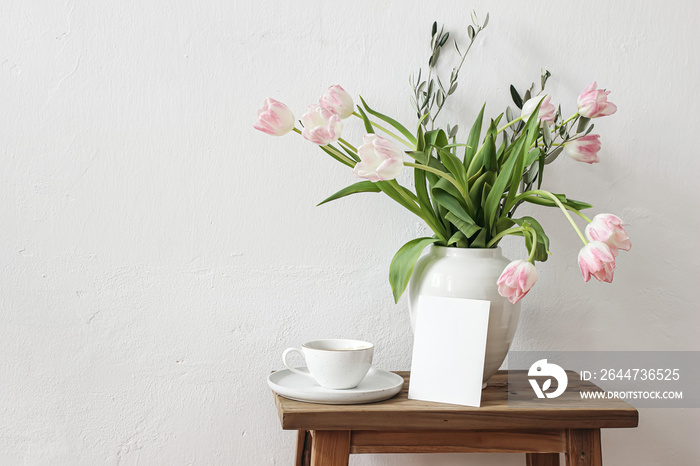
583, 447
330, 448
303, 453
542, 459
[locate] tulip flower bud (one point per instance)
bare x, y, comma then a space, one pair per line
380, 159
609, 229
597, 259
338, 102
546, 113
593, 103
584, 149
274, 118
516, 280
321, 126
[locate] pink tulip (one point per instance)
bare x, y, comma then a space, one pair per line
593, 103
609, 229
380, 159
597, 259
274, 118
546, 113
584, 149
337, 101
516, 280
321, 126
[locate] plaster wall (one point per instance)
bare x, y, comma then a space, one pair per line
158, 254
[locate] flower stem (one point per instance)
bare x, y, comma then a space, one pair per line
347, 144
509, 231
524, 231
390, 133
588, 220
570, 118
556, 200
416, 209
533, 249
334, 150
340, 155
439, 173
509, 124
402, 192
563, 123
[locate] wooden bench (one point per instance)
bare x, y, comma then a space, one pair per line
541, 429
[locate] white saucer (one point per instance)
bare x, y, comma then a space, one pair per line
377, 386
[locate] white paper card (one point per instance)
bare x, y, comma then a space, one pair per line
448, 350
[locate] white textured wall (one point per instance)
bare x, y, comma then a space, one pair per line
158, 254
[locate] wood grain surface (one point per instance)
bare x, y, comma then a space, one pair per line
568, 411
583, 448
330, 448
454, 441
542, 459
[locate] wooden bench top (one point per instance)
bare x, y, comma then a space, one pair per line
569, 411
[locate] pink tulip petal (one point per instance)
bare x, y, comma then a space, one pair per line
321, 126
516, 280
274, 118
609, 229
593, 103
597, 259
338, 101
381, 159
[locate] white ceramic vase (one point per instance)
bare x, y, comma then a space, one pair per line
472, 274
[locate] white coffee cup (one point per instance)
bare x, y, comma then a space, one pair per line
337, 363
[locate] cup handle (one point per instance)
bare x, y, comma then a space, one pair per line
294, 369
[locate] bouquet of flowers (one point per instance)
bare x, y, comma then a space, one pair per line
467, 192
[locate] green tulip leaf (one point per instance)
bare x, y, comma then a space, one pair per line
420, 145
411, 138
434, 179
456, 238
447, 199
532, 156
504, 177
454, 166
535, 225
578, 205
391, 190
353, 155
469, 229
365, 120
436, 137
480, 241
516, 177
477, 186
404, 262
361, 187
332, 154
489, 153
473, 139
422, 195
502, 224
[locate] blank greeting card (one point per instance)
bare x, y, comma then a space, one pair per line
448, 350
